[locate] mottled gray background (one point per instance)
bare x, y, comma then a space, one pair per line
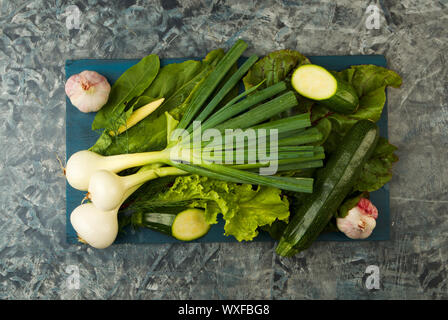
34, 44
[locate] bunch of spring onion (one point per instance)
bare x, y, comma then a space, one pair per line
96, 222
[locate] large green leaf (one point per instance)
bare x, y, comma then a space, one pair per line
261, 207
367, 78
172, 77
370, 82
378, 169
129, 85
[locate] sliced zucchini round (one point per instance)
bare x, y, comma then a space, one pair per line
189, 225
316, 83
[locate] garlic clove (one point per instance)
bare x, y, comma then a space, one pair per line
88, 91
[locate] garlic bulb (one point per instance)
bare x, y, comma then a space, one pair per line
88, 91
360, 220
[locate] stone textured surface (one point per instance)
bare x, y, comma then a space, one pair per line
35, 42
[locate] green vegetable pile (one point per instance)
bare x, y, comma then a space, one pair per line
246, 207
370, 82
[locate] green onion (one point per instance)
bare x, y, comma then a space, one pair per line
288, 124
231, 110
261, 113
193, 169
211, 82
300, 165
308, 136
282, 167
249, 113
232, 82
291, 184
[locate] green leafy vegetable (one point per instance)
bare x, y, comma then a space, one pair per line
185, 152
188, 87
370, 82
150, 133
367, 78
211, 82
172, 77
274, 67
243, 208
130, 85
378, 169
257, 208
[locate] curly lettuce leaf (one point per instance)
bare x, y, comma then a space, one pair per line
243, 208
260, 208
377, 171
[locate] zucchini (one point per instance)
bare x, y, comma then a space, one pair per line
333, 183
189, 225
158, 221
184, 224
316, 83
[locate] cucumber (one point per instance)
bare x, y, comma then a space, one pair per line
181, 223
158, 221
189, 225
316, 83
333, 183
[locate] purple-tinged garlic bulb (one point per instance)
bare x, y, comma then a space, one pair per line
88, 91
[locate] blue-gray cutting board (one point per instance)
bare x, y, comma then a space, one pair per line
79, 136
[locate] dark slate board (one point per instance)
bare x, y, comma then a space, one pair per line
79, 136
